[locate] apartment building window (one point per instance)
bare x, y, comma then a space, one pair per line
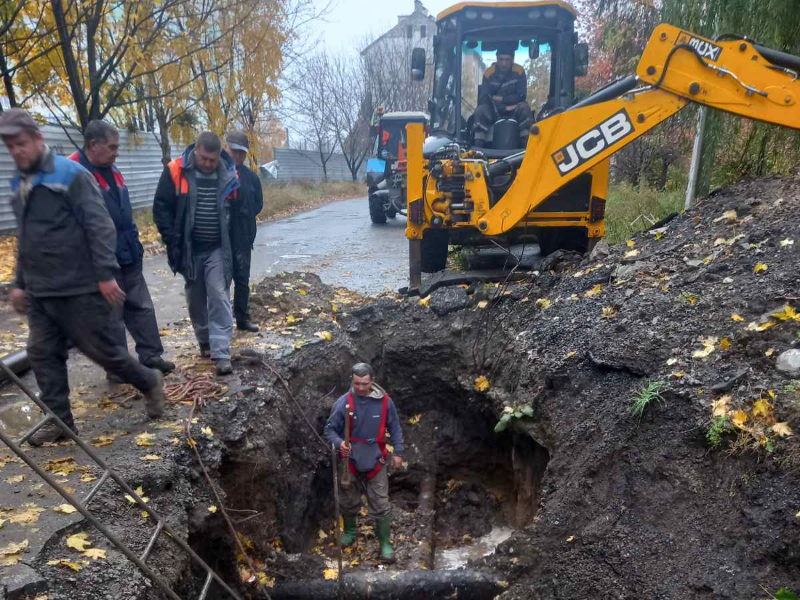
410, 31
423, 32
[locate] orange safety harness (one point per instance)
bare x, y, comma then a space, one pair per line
380, 440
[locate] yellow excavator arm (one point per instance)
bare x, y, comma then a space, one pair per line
677, 67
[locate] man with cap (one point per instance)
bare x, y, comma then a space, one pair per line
66, 273
369, 416
502, 96
100, 150
243, 227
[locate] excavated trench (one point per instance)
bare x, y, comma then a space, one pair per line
463, 491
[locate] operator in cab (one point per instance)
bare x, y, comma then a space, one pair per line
502, 95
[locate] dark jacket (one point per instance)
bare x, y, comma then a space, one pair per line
66, 237
512, 86
174, 209
129, 248
246, 209
366, 423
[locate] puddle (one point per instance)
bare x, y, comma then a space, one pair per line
454, 558
298, 256
16, 418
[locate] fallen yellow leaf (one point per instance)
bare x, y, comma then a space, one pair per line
753, 326
761, 408
16, 479
725, 343
65, 563
143, 439
207, 431
325, 335
760, 268
708, 348
631, 253
425, 301
415, 419
212, 509
571, 354
594, 291
65, 509
737, 318
483, 304
102, 440
719, 408
630, 243
79, 542
543, 303
783, 430
482, 384
787, 314
87, 478
95, 553
739, 418
151, 457
570, 538
787, 242
331, 574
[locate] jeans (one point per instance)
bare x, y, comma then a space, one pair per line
208, 298
89, 321
138, 315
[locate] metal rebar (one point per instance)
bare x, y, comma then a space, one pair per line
152, 543
336, 528
118, 480
34, 429
96, 488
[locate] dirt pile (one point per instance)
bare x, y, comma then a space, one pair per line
621, 417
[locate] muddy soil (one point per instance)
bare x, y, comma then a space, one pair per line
604, 502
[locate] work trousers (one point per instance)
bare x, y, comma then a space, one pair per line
138, 315
375, 489
89, 321
241, 284
209, 301
486, 115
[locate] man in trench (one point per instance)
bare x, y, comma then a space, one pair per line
372, 414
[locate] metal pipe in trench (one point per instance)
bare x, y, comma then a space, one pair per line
467, 584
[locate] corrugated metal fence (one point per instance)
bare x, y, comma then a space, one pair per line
139, 161
305, 165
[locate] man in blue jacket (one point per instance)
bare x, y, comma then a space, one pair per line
372, 414
66, 273
101, 147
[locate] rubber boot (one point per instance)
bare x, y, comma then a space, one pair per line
385, 539
349, 535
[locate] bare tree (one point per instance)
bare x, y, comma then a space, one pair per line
353, 106
387, 70
312, 105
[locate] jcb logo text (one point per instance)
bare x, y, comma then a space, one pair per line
593, 142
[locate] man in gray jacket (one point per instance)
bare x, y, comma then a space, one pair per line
192, 210
372, 414
66, 273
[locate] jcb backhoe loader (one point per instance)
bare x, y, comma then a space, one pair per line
551, 188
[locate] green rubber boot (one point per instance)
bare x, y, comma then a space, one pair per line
385, 539
349, 535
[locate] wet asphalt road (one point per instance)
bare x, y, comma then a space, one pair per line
338, 242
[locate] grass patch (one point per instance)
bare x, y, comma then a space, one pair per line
717, 428
628, 209
652, 391
282, 200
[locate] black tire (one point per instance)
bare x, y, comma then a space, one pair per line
376, 212
434, 250
391, 213
575, 239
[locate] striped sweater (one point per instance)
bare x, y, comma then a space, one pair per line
206, 233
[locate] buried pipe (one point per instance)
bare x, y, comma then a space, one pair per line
461, 583
18, 362
422, 556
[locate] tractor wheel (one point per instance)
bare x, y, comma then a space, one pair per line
391, 213
434, 250
376, 212
575, 239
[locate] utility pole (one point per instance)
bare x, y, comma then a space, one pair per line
697, 152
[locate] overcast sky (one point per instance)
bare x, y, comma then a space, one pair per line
350, 21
